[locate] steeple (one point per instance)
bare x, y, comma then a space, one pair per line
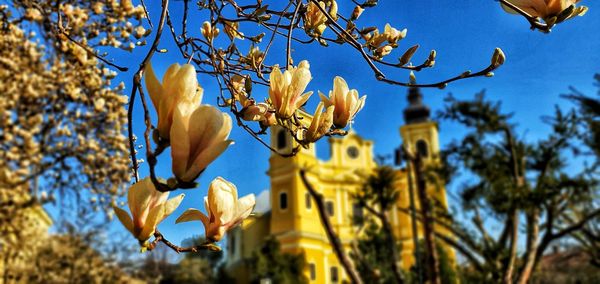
416, 112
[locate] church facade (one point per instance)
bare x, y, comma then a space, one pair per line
293, 218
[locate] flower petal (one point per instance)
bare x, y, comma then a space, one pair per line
180, 141
154, 88
171, 205
222, 198
124, 218
154, 217
245, 206
138, 199
193, 215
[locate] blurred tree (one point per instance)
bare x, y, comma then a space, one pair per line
200, 267
589, 236
372, 251
62, 121
270, 263
371, 254
68, 258
517, 184
448, 273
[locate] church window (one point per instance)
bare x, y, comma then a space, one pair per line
281, 139
283, 201
313, 271
334, 274
422, 148
357, 213
307, 200
329, 206
352, 152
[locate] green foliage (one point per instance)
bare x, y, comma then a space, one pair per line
510, 178
270, 262
379, 189
372, 256
448, 273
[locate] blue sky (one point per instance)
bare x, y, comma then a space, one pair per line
539, 67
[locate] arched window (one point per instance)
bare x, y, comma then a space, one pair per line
357, 214
313, 271
334, 274
422, 149
283, 202
281, 139
329, 207
307, 199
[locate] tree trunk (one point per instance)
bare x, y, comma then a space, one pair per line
532, 246
432, 261
414, 224
510, 266
391, 240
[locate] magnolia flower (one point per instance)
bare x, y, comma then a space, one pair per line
238, 86
382, 51
254, 57
546, 9
208, 31
232, 30
224, 209
179, 84
286, 89
315, 21
255, 112
198, 136
320, 124
392, 34
346, 102
148, 208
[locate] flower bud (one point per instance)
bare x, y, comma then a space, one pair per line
358, 10
320, 124
498, 57
208, 31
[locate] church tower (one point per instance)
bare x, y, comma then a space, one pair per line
287, 192
420, 135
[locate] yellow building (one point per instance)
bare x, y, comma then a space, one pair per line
293, 219
22, 231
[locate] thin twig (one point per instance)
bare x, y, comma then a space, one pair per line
158, 237
331, 235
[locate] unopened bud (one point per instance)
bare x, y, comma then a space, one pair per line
498, 58
408, 54
358, 10
412, 78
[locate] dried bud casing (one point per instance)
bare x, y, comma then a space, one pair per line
358, 10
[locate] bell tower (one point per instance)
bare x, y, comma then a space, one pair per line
420, 135
287, 191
